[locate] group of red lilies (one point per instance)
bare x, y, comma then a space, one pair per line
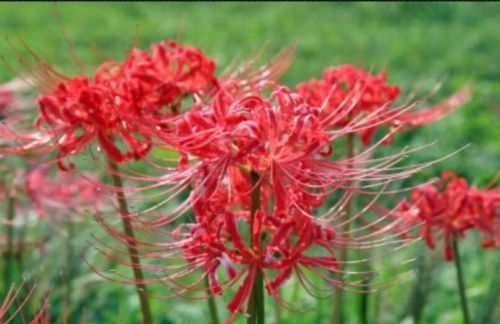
258, 162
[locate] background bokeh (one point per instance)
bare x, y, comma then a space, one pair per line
456, 44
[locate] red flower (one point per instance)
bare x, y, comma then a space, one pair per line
153, 81
361, 93
122, 106
451, 207
343, 79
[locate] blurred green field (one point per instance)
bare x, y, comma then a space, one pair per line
456, 44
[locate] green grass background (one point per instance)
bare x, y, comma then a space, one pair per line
430, 42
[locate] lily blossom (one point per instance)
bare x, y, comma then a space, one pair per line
339, 82
451, 208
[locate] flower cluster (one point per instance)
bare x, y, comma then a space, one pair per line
259, 169
451, 207
124, 107
258, 165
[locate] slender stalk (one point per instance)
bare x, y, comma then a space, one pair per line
256, 303
9, 251
212, 307
21, 246
364, 298
417, 299
69, 269
461, 285
132, 248
489, 303
375, 316
364, 302
337, 315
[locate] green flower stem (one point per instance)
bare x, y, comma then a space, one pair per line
338, 296
132, 248
70, 269
212, 307
9, 251
460, 281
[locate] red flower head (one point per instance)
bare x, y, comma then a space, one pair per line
452, 208
344, 79
160, 78
373, 95
125, 103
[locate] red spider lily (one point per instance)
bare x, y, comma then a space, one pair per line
7, 314
338, 82
452, 208
65, 191
119, 105
124, 101
288, 144
153, 81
